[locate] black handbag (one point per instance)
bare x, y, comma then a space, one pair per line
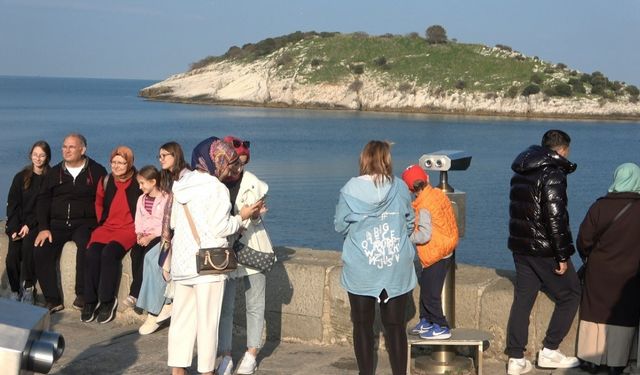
212, 260
252, 258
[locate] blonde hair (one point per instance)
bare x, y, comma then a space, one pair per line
375, 160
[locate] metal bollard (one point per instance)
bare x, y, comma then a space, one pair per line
26, 345
444, 358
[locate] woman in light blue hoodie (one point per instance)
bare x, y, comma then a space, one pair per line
375, 215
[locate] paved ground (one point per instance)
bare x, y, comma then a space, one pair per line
117, 348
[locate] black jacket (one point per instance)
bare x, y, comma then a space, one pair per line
132, 193
538, 217
64, 201
21, 203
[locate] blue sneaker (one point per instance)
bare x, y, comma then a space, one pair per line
422, 326
436, 333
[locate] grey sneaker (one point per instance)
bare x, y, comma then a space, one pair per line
28, 295
14, 296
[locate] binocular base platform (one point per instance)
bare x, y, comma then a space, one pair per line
459, 337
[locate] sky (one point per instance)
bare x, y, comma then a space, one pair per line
152, 39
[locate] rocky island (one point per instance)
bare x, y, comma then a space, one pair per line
399, 73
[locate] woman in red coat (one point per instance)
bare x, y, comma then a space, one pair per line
116, 200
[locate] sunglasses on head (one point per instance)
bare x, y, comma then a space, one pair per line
237, 143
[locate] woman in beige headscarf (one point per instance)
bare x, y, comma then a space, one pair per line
116, 200
610, 307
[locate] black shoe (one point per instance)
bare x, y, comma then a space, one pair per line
89, 312
616, 370
53, 307
589, 367
78, 303
107, 311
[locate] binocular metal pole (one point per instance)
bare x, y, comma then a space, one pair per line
444, 358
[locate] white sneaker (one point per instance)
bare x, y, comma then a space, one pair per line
548, 358
518, 366
247, 364
165, 313
226, 366
149, 326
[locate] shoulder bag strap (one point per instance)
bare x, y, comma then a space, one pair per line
191, 224
604, 230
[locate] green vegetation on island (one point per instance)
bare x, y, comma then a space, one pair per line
404, 62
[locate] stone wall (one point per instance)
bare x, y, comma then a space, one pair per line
305, 302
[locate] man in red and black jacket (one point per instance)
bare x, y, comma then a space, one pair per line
66, 212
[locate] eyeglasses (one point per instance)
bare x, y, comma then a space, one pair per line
238, 143
118, 163
162, 156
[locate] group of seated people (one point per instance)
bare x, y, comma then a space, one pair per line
143, 213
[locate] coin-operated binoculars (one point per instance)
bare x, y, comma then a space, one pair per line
26, 344
444, 358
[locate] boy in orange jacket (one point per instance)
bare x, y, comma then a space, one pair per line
436, 237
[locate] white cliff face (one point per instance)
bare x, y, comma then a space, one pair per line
257, 83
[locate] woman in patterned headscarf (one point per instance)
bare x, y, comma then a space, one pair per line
610, 307
197, 298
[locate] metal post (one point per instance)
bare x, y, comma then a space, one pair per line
444, 358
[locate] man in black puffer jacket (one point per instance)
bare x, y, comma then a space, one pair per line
541, 242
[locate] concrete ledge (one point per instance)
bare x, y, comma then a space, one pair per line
305, 302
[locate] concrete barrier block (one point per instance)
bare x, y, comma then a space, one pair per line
495, 307
4, 249
300, 281
68, 273
339, 310
543, 310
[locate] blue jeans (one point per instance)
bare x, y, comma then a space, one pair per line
254, 289
151, 296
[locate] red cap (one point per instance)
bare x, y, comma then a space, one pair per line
241, 147
414, 173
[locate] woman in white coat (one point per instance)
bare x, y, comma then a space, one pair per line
198, 298
245, 189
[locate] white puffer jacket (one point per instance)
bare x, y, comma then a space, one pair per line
254, 235
209, 204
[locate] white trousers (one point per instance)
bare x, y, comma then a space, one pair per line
195, 318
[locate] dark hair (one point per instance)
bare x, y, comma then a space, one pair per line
418, 185
554, 139
167, 177
28, 170
375, 160
150, 172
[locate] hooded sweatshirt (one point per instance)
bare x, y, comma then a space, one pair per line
209, 204
376, 222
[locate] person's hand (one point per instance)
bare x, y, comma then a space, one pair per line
247, 212
43, 236
14, 235
562, 268
23, 231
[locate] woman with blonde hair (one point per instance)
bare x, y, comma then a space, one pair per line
375, 216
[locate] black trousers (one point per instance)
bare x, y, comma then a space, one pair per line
104, 265
393, 316
431, 283
137, 265
47, 256
19, 262
532, 275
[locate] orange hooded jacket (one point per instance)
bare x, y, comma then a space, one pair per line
444, 234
